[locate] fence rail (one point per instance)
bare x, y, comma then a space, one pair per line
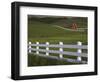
57, 46
61, 51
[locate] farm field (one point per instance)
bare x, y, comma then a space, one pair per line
46, 30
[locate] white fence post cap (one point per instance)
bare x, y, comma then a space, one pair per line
47, 43
61, 43
37, 42
29, 42
79, 43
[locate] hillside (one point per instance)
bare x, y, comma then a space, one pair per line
54, 30
61, 21
42, 32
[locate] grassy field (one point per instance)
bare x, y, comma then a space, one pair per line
43, 30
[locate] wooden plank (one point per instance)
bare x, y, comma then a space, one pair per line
59, 52
58, 46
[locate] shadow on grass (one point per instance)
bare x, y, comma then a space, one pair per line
34, 60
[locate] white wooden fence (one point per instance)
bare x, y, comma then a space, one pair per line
61, 51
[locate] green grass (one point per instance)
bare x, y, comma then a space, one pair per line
42, 32
34, 60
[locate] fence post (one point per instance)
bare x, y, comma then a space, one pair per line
79, 51
61, 49
37, 47
47, 48
30, 47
